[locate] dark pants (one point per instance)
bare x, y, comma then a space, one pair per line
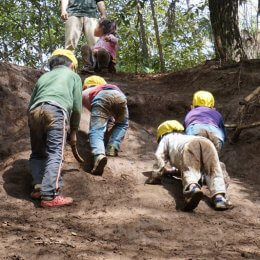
48, 129
101, 60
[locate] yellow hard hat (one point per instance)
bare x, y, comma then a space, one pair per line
93, 81
169, 126
203, 98
69, 54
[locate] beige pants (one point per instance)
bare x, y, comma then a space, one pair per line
201, 156
74, 26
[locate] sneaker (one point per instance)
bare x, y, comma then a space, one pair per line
221, 203
111, 151
192, 198
36, 193
58, 201
100, 162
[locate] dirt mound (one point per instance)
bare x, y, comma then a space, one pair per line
116, 216
16, 85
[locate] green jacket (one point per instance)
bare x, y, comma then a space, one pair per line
63, 87
82, 8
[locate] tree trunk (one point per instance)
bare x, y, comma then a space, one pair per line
257, 15
188, 4
162, 64
224, 23
142, 36
171, 15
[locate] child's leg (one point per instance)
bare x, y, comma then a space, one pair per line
109, 130
212, 168
191, 174
98, 124
38, 145
96, 134
56, 127
191, 165
87, 55
103, 59
120, 112
112, 67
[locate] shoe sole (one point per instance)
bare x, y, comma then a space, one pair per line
224, 207
56, 206
100, 167
194, 201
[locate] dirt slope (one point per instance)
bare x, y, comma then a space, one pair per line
116, 216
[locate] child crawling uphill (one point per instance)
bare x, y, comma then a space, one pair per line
192, 155
205, 120
104, 101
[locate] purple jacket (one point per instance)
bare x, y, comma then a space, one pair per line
205, 115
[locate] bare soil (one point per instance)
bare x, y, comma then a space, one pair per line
116, 216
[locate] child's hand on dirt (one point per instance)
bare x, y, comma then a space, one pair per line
155, 178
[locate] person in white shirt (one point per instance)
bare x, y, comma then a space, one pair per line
191, 155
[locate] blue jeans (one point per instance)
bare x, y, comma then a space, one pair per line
48, 130
107, 104
196, 128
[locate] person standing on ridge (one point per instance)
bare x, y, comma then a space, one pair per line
81, 16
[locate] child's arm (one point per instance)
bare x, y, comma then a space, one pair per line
111, 38
32, 97
162, 154
101, 8
64, 13
159, 167
77, 104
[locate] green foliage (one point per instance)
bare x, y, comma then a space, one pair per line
30, 30
183, 47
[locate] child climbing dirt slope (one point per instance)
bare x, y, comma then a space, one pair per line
116, 216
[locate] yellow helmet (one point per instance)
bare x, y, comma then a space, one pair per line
69, 54
93, 81
203, 98
169, 126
